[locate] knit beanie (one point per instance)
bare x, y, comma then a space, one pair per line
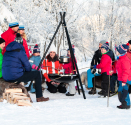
53, 48
103, 41
21, 27
2, 40
19, 38
122, 49
36, 49
73, 48
106, 46
13, 24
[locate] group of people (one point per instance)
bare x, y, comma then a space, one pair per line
112, 69
18, 66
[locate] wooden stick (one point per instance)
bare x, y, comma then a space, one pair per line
15, 90
23, 103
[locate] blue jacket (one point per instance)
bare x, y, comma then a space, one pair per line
15, 62
35, 60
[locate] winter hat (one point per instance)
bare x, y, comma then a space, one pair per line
53, 48
106, 46
73, 48
103, 41
129, 41
13, 24
122, 49
2, 40
19, 38
36, 49
21, 27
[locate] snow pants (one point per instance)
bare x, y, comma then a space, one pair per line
90, 76
123, 94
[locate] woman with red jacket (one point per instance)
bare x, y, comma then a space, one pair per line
21, 31
68, 70
123, 68
105, 66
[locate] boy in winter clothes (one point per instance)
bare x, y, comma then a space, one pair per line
70, 69
2, 45
10, 34
34, 61
123, 68
105, 66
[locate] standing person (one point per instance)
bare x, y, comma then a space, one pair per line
105, 66
2, 45
123, 68
70, 69
16, 68
10, 34
96, 60
51, 65
34, 61
21, 31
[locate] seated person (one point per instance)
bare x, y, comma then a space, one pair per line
51, 65
70, 69
2, 45
16, 68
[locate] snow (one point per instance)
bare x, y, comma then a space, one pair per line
63, 110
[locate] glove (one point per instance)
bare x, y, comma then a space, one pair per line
35, 67
93, 71
42, 66
94, 66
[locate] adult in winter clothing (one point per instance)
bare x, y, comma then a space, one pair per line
34, 61
2, 45
16, 68
21, 31
51, 65
96, 60
123, 68
10, 34
105, 66
70, 69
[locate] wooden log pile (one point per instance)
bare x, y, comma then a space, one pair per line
15, 96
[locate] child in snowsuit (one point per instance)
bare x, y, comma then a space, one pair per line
34, 61
105, 66
123, 68
69, 69
2, 45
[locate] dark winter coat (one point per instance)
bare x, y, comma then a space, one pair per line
15, 62
97, 57
105, 63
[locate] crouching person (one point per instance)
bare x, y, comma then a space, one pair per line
123, 68
70, 69
16, 68
51, 65
105, 66
2, 45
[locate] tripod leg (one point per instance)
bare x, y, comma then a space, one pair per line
78, 87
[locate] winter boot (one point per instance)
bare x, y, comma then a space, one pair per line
68, 94
41, 99
124, 106
32, 88
100, 93
93, 91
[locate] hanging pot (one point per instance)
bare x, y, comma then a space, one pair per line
64, 59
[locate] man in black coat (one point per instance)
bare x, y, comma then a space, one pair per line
96, 60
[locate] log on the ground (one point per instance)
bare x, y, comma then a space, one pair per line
8, 85
23, 103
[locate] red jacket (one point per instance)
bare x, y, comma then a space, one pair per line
105, 64
8, 36
26, 47
69, 67
114, 67
123, 68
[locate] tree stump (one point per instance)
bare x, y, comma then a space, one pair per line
8, 85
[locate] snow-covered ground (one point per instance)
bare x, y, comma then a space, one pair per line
63, 110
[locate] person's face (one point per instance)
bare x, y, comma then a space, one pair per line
129, 46
36, 54
100, 44
15, 29
21, 32
103, 50
52, 54
68, 53
2, 45
117, 53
